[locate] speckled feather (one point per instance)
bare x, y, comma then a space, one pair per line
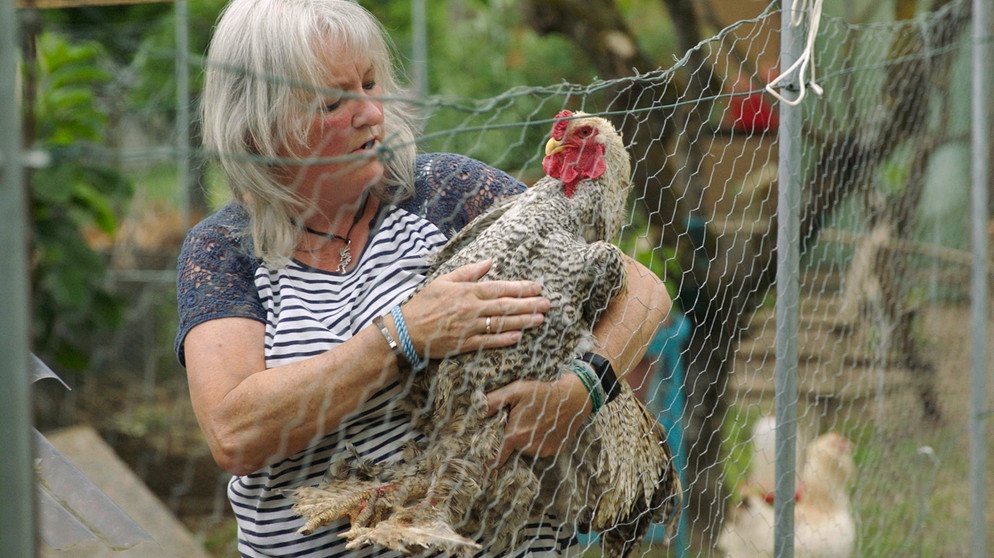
615, 476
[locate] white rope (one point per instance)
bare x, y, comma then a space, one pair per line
806, 60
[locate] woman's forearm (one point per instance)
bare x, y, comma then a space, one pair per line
626, 327
252, 416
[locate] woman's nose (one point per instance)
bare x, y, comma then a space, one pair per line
368, 113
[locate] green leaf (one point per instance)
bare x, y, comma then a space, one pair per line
97, 206
72, 304
68, 76
53, 185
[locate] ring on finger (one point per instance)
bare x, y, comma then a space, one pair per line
488, 325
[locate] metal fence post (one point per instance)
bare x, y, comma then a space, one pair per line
979, 300
182, 14
17, 494
419, 47
788, 292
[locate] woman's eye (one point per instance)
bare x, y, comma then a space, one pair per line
369, 85
328, 107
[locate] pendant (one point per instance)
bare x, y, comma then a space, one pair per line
345, 256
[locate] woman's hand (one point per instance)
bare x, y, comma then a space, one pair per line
542, 416
458, 313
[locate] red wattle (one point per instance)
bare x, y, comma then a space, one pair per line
552, 165
570, 175
591, 160
572, 165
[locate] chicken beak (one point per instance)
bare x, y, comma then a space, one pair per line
553, 146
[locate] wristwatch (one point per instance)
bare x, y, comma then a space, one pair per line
605, 373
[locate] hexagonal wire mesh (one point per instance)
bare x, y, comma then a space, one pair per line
883, 306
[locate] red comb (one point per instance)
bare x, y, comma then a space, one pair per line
559, 128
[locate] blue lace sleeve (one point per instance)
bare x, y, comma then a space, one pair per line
451, 190
216, 274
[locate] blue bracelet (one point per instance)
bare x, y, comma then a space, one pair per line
585, 372
405, 341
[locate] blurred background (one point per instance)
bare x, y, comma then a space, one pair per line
115, 177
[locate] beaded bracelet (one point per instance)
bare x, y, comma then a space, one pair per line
378, 320
585, 372
405, 341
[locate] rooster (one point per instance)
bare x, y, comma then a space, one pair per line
615, 476
823, 523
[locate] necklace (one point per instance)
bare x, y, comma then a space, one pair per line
344, 254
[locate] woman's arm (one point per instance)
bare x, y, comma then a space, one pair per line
252, 416
543, 415
625, 329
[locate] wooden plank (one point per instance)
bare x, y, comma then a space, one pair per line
98, 462
49, 4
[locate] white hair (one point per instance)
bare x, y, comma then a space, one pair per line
264, 63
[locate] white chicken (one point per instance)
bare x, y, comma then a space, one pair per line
823, 522
762, 479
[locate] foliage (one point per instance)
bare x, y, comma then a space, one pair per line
476, 50
73, 196
478, 54
116, 28
736, 446
643, 242
154, 90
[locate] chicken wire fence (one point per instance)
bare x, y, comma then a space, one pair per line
883, 290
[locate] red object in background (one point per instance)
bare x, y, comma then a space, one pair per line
753, 113
750, 109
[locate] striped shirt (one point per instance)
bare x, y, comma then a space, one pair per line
308, 311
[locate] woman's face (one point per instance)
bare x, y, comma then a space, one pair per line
348, 123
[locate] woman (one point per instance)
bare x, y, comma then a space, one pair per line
279, 290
